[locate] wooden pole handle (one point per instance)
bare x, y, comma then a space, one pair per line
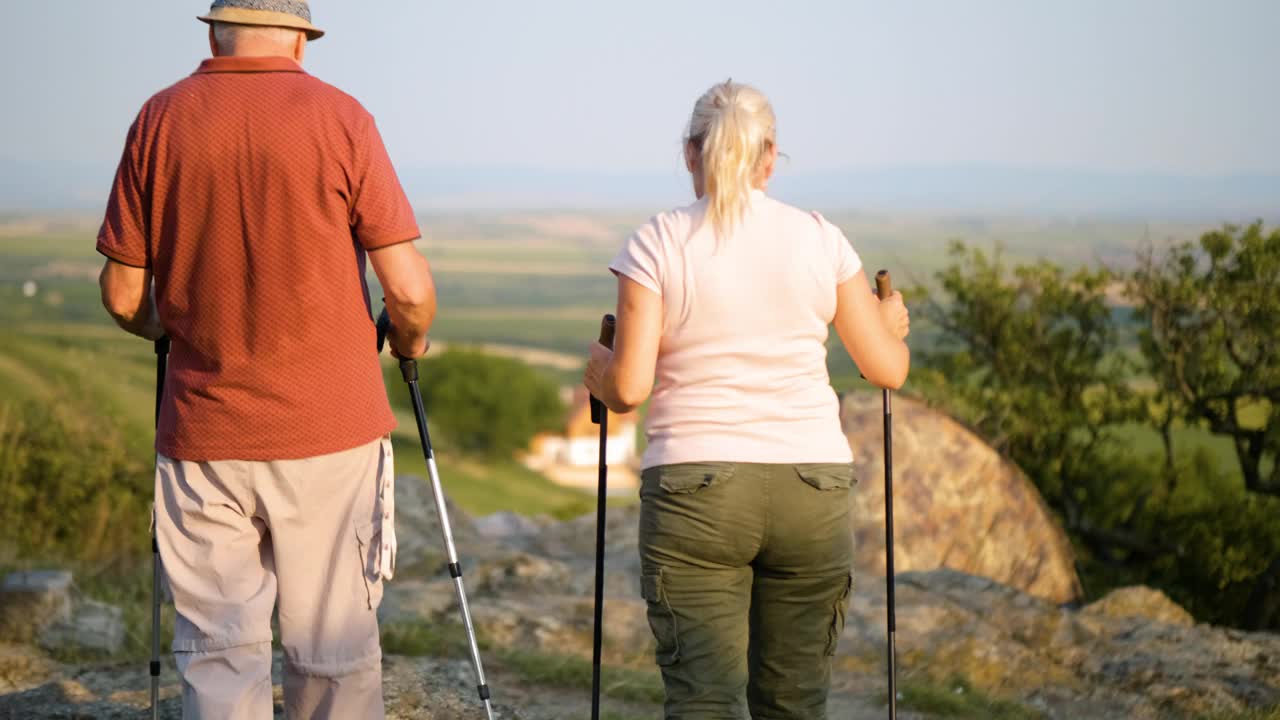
608, 325
884, 287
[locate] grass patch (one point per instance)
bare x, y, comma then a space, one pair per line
1272, 713
435, 639
957, 698
419, 639
567, 671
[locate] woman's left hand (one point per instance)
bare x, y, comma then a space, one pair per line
593, 377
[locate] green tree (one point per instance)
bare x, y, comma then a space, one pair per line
1029, 357
1212, 339
1034, 358
484, 404
1212, 342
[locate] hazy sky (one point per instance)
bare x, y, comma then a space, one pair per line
1166, 86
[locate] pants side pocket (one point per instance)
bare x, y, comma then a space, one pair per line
662, 621
838, 617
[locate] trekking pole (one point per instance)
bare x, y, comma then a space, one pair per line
409, 371
884, 288
162, 364
600, 416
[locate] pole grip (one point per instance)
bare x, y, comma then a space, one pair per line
384, 328
884, 286
608, 327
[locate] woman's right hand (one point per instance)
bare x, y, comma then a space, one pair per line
894, 315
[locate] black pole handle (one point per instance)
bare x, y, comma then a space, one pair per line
408, 368
608, 327
384, 328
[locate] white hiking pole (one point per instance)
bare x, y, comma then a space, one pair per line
600, 416
162, 363
409, 371
884, 288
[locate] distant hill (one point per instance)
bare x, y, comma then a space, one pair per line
994, 190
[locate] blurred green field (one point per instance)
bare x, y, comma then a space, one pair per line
528, 279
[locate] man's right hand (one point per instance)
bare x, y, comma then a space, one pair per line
416, 347
410, 295
387, 335
894, 315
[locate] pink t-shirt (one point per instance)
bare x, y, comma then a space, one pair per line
742, 371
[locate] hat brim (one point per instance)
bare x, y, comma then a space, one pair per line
266, 18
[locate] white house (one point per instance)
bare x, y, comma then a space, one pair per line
570, 457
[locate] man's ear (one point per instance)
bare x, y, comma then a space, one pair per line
300, 47
213, 43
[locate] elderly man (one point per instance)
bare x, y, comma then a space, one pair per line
252, 194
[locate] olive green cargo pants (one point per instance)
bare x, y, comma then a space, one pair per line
746, 569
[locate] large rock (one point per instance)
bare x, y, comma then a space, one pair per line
1140, 603
957, 503
31, 601
93, 626
1110, 660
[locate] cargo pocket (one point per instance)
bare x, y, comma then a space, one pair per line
661, 620
827, 476
685, 478
838, 617
369, 545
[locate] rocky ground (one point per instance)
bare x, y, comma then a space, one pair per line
1132, 655
968, 646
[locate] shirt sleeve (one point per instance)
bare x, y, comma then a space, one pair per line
843, 257
380, 211
123, 236
641, 258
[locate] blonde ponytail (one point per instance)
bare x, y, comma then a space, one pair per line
731, 130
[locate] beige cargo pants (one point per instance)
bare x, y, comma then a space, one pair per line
312, 538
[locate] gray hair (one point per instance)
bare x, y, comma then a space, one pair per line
228, 35
291, 7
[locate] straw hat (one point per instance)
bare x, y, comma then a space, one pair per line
273, 13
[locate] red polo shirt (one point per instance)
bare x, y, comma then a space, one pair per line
252, 190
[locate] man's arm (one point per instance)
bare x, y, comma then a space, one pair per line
126, 294
410, 295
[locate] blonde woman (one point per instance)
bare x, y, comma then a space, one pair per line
744, 531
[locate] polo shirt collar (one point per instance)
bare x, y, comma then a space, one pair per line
248, 65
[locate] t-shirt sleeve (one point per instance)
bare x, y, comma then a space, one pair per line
843, 257
641, 258
380, 211
123, 236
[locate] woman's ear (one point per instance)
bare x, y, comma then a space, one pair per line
690, 157
767, 164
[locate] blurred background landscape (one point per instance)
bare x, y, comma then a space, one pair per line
1081, 204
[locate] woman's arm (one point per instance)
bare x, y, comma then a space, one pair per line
873, 332
623, 378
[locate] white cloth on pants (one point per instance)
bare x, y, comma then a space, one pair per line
314, 537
